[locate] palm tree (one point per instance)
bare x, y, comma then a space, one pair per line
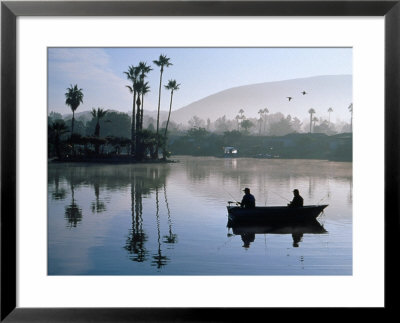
58, 128
241, 117
98, 114
138, 88
315, 119
144, 69
311, 112
132, 74
237, 120
329, 113
351, 119
246, 125
145, 90
141, 88
265, 117
74, 97
162, 61
261, 113
173, 87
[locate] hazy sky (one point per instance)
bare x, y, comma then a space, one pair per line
200, 71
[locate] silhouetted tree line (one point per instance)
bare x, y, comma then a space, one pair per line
200, 142
276, 124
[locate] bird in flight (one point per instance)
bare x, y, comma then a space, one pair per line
304, 92
289, 97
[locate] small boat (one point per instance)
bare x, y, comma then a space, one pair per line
274, 213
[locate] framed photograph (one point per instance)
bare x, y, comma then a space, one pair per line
180, 160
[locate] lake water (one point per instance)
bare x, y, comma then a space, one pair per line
171, 219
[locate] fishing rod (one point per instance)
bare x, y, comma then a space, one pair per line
323, 199
231, 197
281, 196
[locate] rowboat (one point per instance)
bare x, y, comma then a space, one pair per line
274, 213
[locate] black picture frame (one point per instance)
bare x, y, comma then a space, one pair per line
10, 10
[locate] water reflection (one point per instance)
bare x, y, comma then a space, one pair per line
171, 237
156, 218
135, 243
98, 205
159, 259
248, 232
142, 181
58, 193
73, 213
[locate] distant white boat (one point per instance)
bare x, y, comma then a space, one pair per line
230, 151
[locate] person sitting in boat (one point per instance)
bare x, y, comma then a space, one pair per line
297, 199
248, 200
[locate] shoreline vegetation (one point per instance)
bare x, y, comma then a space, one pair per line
202, 144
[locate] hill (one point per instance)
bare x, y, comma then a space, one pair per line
322, 92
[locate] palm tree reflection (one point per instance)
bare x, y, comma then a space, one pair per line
159, 259
143, 184
58, 194
98, 206
73, 213
350, 195
171, 237
135, 243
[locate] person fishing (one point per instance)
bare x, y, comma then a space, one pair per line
297, 199
248, 200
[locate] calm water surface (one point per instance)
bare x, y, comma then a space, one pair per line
171, 219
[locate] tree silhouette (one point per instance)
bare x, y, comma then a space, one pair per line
144, 70
172, 86
315, 119
74, 97
265, 111
351, 118
57, 129
98, 115
311, 112
138, 87
330, 110
145, 90
132, 74
261, 113
163, 61
246, 125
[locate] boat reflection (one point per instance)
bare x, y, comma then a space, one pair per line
248, 232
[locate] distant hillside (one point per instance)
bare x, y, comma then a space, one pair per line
322, 92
